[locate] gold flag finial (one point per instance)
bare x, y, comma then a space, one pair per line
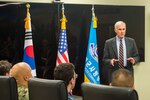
95, 22
28, 5
94, 18
63, 20
27, 19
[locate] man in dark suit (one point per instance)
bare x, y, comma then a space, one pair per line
114, 57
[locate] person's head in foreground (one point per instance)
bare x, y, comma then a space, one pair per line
122, 78
5, 67
66, 72
21, 72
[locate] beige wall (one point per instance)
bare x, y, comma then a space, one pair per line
142, 71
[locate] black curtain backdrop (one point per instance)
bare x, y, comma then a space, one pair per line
45, 19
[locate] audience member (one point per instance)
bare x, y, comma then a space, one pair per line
122, 78
66, 72
5, 67
21, 72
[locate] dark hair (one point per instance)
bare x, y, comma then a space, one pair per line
4, 67
65, 72
122, 78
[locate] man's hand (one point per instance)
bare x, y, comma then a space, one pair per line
112, 61
131, 60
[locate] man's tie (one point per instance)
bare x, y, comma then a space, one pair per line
121, 57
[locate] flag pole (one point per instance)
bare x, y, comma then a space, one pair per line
28, 43
62, 54
27, 24
28, 6
94, 18
63, 20
63, 10
93, 13
91, 70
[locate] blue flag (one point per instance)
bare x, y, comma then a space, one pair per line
28, 45
91, 71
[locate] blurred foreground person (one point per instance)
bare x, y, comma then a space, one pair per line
66, 72
21, 72
122, 78
5, 67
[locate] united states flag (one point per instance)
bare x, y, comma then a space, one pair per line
62, 55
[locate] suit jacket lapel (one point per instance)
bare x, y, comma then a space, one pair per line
127, 46
114, 46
